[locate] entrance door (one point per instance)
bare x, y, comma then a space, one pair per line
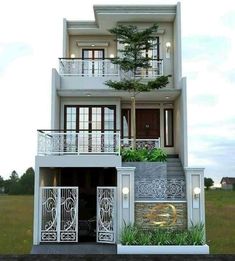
106, 215
147, 123
59, 214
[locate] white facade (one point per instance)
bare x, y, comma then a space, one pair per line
83, 105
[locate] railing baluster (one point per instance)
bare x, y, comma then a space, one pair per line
71, 143
103, 68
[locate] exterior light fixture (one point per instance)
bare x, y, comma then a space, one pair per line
196, 192
92, 45
125, 191
111, 56
125, 197
196, 197
167, 97
168, 49
72, 55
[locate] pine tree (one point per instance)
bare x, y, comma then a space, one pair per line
135, 42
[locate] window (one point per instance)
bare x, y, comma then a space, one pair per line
168, 128
126, 123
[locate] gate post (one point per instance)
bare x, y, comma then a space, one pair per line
195, 195
125, 197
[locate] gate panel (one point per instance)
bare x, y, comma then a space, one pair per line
49, 214
106, 215
69, 215
59, 214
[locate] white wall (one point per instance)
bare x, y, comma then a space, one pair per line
177, 47
55, 100
181, 124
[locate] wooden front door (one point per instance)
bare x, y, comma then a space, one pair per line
147, 123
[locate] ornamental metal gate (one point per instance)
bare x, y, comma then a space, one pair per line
106, 215
59, 214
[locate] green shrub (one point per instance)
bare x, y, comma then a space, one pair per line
135, 235
143, 155
129, 234
196, 235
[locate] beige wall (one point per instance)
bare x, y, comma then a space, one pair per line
77, 50
165, 35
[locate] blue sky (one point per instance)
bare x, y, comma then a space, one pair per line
31, 42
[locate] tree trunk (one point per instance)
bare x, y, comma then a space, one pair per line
133, 122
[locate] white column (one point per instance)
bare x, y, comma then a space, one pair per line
125, 203
195, 202
36, 217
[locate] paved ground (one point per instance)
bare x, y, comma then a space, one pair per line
79, 249
118, 257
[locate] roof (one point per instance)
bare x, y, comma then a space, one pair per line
108, 16
228, 180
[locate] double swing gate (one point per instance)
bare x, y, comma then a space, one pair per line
59, 214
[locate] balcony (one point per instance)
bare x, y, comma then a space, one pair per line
59, 142
104, 68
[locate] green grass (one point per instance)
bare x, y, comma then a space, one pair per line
220, 221
16, 219
16, 222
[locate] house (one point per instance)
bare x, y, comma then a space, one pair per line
83, 190
227, 183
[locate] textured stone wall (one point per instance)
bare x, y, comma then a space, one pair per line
168, 215
152, 182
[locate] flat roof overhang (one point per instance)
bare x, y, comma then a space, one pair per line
161, 95
108, 16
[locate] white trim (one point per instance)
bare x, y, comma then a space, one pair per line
160, 201
189, 250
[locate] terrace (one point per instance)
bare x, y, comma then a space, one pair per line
70, 142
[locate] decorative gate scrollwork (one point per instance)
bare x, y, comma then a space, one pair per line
106, 214
59, 214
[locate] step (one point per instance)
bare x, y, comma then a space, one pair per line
80, 248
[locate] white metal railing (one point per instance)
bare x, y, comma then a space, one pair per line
72, 143
105, 67
141, 143
88, 67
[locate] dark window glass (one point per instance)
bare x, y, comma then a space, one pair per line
168, 128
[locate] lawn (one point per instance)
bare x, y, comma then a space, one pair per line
16, 220
220, 221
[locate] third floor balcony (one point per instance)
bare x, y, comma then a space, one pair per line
104, 68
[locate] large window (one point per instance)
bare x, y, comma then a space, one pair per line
90, 118
168, 128
93, 64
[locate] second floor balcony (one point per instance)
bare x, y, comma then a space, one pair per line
70, 142
104, 68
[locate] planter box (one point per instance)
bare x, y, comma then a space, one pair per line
204, 249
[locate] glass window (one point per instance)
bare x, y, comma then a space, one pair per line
108, 118
126, 123
168, 128
83, 118
71, 117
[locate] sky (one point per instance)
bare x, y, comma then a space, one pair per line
31, 43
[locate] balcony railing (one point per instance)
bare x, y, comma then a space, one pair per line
59, 142
104, 68
88, 67
141, 143
72, 143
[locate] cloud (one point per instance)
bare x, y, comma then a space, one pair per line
197, 47
11, 51
228, 19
